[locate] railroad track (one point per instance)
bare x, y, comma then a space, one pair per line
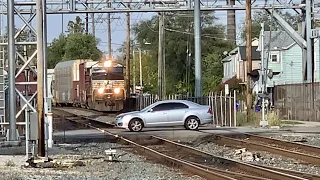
189, 159
82, 120
306, 153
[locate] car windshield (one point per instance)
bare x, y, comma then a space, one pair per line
146, 108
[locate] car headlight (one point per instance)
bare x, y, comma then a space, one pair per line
119, 117
100, 90
116, 90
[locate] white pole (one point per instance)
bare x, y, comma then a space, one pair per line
235, 108
50, 140
140, 66
263, 123
27, 132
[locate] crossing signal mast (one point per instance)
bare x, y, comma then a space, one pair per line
264, 75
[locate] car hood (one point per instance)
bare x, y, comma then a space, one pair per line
128, 113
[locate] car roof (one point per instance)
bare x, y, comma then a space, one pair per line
190, 103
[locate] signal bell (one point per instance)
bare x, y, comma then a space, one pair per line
254, 74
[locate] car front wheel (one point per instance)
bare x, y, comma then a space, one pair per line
192, 123
135, 125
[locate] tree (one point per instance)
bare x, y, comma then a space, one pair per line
81, 46
56, 51
76, 27
179, 39
263, 17
74, 45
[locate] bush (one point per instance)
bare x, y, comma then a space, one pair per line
253, 120
273, 119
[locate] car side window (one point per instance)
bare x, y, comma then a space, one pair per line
161, 107
179, 106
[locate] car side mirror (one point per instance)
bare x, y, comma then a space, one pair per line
150, 110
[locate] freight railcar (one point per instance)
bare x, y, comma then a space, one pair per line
65, 74
90, 84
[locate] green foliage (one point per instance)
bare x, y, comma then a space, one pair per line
263, 17
76, 27
74, 45
273, 119
81, 46
252, 120
56, 51
179, 39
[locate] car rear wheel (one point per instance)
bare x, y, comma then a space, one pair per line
135, 125
192, 123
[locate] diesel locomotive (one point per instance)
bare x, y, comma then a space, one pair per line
96, 85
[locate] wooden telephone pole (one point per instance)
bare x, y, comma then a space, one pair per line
109, 33
161, 59
248, 55
127, 77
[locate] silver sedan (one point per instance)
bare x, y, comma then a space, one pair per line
166, 113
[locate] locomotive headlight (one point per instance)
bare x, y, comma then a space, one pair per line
100, 90
107, 63
116, 90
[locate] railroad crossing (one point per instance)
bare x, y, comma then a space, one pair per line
40, 9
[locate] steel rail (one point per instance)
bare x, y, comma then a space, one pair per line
263, 172
235, 175
304, 147
295, 173
223, 140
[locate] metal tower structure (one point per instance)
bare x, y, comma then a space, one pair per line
26, 12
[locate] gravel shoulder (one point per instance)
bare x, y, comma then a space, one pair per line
260, 157
97, 166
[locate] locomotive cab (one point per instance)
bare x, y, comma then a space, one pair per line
107, 92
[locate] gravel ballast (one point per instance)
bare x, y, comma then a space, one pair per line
265, 158
96, 165
309, 139
98, 116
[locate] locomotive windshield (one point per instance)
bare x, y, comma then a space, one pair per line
115, 73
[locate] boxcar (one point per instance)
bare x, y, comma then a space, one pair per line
66, 74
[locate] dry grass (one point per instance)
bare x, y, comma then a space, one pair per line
10, 163
273, 119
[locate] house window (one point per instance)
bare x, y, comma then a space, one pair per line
274, 58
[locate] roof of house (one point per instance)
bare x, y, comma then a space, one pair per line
279, 39
255, 55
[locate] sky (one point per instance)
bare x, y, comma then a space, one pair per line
118, 26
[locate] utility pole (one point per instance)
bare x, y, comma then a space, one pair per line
93, 23
248, 55
87, 18
128, 60
161, 59
40, 79
197, 48
109, 33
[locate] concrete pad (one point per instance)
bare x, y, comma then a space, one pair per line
12, 143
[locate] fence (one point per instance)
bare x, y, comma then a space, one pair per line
223, 106
298, 101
